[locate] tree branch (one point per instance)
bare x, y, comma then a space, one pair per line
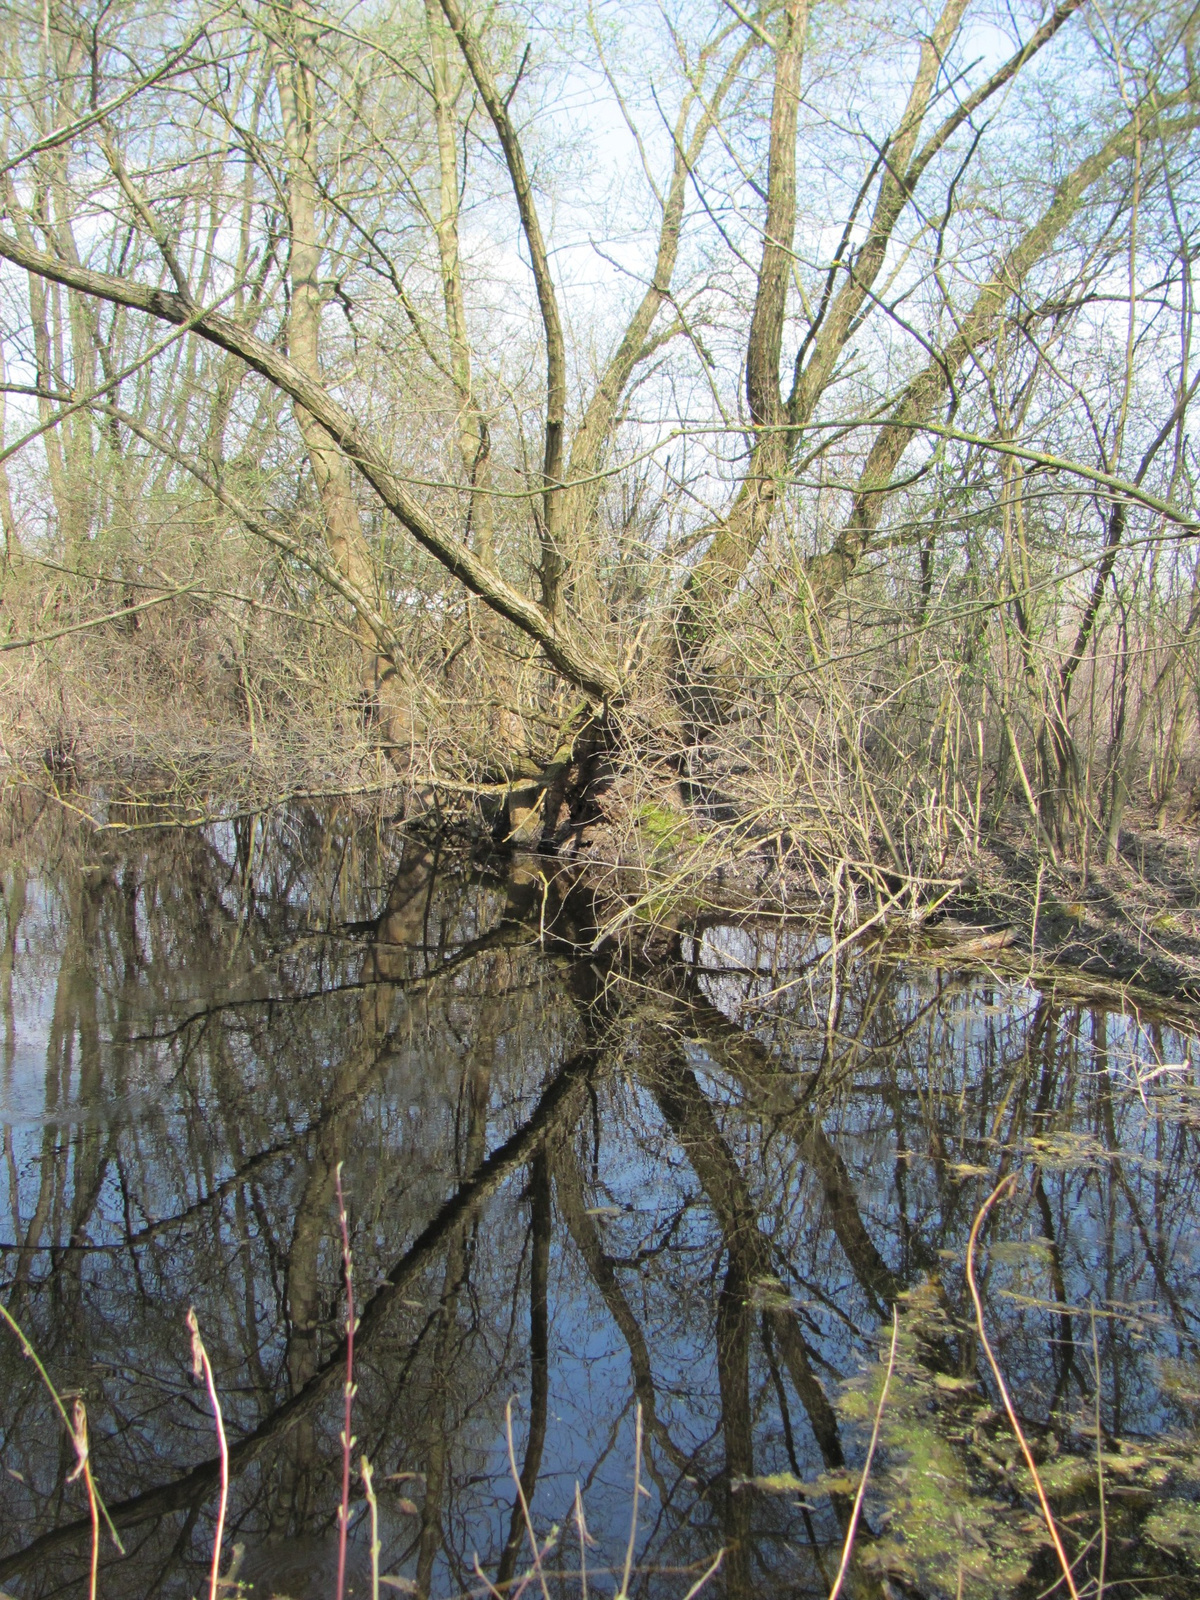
556, 359
568, 654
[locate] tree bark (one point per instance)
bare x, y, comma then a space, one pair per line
779, 431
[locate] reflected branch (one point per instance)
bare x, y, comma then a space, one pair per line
554, 1105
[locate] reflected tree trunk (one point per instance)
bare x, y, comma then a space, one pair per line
734, 1322
690, 1117
540, 1223
568, 1187
441, 1387
399, 930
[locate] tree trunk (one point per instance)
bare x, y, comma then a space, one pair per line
381, 689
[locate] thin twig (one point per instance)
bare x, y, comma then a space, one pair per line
524, 1503
98, 622
485, 1580
1100, 1466
848, 1545
348, 1388
202, 1368
585, 1539
373, 1506
1002, 1190
705, 1576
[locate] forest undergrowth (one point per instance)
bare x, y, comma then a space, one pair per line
894, 816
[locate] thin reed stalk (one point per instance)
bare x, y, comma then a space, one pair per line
585, 1539
348, 1389
485, 1580
1002, 1190
1100, 1467
202, 1368
32, 1356
373, 1508
708, 1572
856, 1511
83, 1469
623, 1592
524, 1503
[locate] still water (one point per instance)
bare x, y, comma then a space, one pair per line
693, 1174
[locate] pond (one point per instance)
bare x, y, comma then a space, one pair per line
673, 1182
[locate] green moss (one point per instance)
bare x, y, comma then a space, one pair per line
660, 823
945, 1527
1176, 1527
666, 831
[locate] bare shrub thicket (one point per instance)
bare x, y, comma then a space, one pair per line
790, 406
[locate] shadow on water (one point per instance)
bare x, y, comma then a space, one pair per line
695, 1175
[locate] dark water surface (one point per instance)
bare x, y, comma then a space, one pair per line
692, 1173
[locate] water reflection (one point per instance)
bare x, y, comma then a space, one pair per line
694, 1174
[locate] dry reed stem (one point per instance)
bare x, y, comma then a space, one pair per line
83, 1469
348, 1390
202, 1367
585, 1539
705, 1576
31, 1355
485, 1580
1100, 1467
533, 1544
623, 1592
848, 1544
1002, 1190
